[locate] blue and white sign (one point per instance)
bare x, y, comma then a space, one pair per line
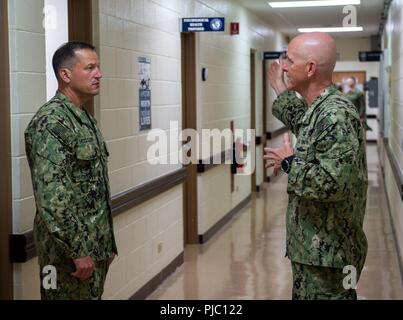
145, 109
272, 55
203, 24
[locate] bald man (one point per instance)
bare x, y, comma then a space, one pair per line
327, 171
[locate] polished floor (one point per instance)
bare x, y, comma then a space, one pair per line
245, 260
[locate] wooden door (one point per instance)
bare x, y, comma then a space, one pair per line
80, 29
189, 121
253, 108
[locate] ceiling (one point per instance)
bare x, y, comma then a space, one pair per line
287, 20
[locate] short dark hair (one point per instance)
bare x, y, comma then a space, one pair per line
65, 55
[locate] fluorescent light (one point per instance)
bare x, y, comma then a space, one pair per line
338, 29
319, 3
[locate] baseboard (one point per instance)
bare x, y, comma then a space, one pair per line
399, 256
153, 284
203, 238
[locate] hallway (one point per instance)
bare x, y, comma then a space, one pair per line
245, 260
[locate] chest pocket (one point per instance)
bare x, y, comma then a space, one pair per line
87, 164
305, 150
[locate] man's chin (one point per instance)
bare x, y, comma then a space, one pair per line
95, 92
290, 86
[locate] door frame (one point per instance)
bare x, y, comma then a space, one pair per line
80, 29
264, 135
6, 268
189, 121
253, 108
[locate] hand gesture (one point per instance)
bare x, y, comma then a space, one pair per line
274, 156
275, 76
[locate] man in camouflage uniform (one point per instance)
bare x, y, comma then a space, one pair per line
68, 159
358, 99
327, 172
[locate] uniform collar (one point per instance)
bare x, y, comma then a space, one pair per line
80, 114
318, 101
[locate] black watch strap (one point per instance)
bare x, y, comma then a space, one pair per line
286, 163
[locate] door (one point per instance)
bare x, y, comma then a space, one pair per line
80, 29
189, 121
265, 116
253, 108
6, 270
342, 76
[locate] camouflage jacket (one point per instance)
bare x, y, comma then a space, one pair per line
68, 160
358, 100
328, 180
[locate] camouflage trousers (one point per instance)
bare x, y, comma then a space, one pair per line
71, 288
319, 283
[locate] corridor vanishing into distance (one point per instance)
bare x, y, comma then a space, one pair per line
245, 259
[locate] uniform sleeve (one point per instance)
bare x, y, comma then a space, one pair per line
290, 110
54, 193
326, 177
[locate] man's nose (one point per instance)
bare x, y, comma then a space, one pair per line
98, 74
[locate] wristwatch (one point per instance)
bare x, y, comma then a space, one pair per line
286, 164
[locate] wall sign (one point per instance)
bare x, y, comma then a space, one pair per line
144, 93
234, 28
370, 55
145, 109
272, 55
203, 24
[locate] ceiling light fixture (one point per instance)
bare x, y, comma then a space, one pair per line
318, 3
336, 29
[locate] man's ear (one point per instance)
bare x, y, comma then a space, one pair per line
311, 68
65, 75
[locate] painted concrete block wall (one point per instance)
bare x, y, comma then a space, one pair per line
150, 236
28, 93
394, 39
225, 96
129, 30
348, 48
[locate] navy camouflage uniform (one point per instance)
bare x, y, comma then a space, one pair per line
358, 100
327, 187
67, 156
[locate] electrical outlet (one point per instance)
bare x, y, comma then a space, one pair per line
159, 248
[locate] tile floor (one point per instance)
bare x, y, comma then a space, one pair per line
245, 259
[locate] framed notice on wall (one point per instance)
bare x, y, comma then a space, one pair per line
145, 109
144, 93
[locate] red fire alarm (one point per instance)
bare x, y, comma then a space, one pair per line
234, 28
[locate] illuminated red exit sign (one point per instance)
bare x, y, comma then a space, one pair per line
234, 27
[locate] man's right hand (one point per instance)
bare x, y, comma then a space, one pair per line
275, 75
84, 268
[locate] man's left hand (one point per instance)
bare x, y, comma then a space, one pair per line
274, 156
